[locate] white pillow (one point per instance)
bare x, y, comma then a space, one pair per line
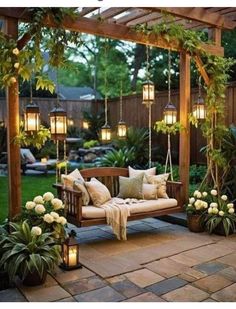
160, 181
133, 172
79, 185
98, 192
149, 191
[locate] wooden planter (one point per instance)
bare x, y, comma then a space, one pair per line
195, 223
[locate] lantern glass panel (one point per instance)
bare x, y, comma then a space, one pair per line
148, 93
170, 117
85, 124
31, 121
199, 111
106, 134
122, 130
58, 125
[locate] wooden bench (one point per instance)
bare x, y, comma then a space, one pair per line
110, 177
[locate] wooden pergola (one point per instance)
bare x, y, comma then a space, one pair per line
117, 23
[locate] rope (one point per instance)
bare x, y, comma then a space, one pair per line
31, 92
168, 159
65, 158
199, 86
150, 135
105, 81
57, 160
121, 101
169, 74
57, 85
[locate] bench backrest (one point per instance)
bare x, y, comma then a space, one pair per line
109, 176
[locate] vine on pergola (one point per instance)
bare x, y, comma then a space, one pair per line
24, 58
217, 68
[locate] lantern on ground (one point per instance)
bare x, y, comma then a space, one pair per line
106, 133
170, 114
58, 124
199, 108
70, 253
148, 93
31, 118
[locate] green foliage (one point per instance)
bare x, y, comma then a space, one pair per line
117, 158
197, 173
24, 252
161, 126
47, 151
90, 144
35, 139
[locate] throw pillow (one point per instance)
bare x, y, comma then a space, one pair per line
131, 187
79, 185
160, 181
133, 172
68, 180
149, 191
98, 192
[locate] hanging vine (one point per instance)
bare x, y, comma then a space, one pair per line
218, 69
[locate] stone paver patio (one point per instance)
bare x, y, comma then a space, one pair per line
159, 262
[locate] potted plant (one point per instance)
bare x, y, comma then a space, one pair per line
220, 218
29, 253
196, 210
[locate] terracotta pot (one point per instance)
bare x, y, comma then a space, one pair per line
195, 223
219, 230
34, 278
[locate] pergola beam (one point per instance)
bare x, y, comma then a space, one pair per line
200, 15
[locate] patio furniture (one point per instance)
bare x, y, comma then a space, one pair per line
90, 215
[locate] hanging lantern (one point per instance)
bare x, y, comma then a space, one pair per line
58, 123
70, 121
106, 133
31, 118
121, 130
199, 109
148, 93
85, 124
70, 253
170, 114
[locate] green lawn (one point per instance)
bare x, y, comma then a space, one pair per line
31, 186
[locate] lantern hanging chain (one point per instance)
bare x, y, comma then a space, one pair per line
121, 101
147, 63
199, 87
31, 92
105, 80
169, 74
57, 85
57, 159
150, 135
65, 157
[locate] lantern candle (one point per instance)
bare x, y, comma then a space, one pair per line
44, 160
72, 257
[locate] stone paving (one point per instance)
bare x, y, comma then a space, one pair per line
160, 262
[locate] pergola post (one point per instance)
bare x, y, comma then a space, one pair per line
184, 143
13, 150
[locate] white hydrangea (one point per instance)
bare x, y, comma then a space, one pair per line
224, 197
195, 193
204, 205
30, 205
231, 210
221, 213
191, 200
16, 51
214, 192
210, 210
204, 194
57, 204
38, 199
48, 218
215, 211
199, 194
48, 196
214, 205
62, 220
230, 205
54, 215
39, 209
36, 230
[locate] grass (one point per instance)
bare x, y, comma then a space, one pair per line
31, 186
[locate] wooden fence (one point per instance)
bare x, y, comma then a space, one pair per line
135, 114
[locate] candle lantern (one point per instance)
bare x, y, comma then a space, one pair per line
58, 123
85, 124
70, 253
70, 121
199, 109
170, 114
31, 118
148, 93
106, 133
121, 129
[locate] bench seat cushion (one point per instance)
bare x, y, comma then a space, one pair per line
92, 212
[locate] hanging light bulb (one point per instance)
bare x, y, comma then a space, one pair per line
148, 86
121, 128
170, 111
58, 121
31, 115
199, 107
106, 129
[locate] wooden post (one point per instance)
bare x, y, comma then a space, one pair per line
13, 150
184, 144
214, 34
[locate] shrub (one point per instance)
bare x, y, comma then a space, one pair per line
90, 144
118, 158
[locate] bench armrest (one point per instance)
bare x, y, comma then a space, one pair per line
72, 200
174, 190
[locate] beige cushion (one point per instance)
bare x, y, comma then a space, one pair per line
160, 181
133, 172
131, 187
149, 191
68, 180
92, 212
98, 192
79, 185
